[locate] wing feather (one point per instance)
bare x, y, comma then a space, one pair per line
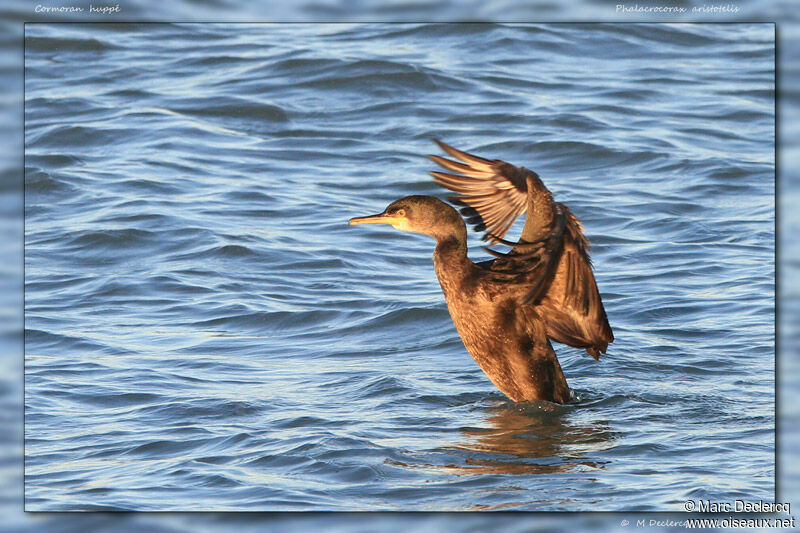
475, 162
573, 309
497, 190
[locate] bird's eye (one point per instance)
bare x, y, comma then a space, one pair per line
401, 212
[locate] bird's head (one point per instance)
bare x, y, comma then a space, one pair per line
419, 214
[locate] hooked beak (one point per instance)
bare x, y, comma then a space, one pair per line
377, 219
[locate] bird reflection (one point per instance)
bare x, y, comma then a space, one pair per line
533, 438
521, 440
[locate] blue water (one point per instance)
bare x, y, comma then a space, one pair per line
204, 332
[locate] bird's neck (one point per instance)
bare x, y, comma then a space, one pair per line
452, 242
451, 264
450, 249
450, 257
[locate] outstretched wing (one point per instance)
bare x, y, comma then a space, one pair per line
572, 307
551, 270
493, 192
555, 275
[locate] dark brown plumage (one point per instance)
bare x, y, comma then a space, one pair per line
506, 309
495, 193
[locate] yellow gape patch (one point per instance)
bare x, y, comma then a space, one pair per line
401, 224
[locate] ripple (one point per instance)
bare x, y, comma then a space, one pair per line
66, 44
231, 107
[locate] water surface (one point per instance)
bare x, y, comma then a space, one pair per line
204, 332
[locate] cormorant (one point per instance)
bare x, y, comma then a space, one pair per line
507, 309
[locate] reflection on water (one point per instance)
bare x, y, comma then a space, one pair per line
534, 438
511, 452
